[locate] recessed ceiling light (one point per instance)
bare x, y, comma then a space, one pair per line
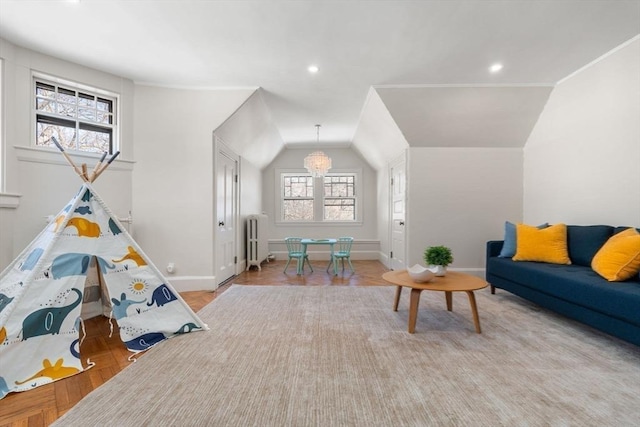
495, 68
313, 69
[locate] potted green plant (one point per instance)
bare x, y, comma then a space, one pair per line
439, 257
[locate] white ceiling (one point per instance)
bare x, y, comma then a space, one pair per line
356, 44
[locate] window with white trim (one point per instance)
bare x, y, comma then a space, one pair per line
80, 118
297, 197
333, 198
339, 201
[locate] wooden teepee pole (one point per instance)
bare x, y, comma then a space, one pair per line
95, 169
66, 156
84, 174
95, 175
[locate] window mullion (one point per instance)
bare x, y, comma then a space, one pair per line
318, 199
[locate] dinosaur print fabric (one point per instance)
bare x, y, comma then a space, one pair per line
42, 293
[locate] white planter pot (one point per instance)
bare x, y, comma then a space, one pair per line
438, 270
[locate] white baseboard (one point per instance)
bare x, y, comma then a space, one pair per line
384, 259
193, 283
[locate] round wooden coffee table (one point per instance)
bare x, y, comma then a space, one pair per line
453, 282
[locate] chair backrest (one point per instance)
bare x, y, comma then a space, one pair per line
343, 245
294, 244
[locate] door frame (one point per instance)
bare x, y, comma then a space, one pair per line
222, 149
390, 166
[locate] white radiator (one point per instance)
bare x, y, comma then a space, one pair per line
257, 241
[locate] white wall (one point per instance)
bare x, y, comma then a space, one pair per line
8, 205
174, 178
250, 200
582, 160
250, 189
379, 141
366, 245
41, 176
251, 132
460, 198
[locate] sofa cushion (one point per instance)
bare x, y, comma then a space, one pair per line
584, 241
621, 229
542, 245
574, 283
619, 258
510, 239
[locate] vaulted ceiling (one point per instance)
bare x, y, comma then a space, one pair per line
427, 60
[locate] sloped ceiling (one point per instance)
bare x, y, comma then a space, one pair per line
250, 132
465, 116
378, 138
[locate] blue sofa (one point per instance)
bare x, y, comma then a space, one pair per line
575, 290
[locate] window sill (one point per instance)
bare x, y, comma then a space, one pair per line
53, 157
9, 201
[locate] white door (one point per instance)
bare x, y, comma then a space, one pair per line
225, 218
398, 207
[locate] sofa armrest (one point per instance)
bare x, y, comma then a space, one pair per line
494, 247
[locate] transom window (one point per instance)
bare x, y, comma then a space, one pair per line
80, 119
331, 198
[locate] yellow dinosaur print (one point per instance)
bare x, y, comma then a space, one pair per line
54, 372
85, 227
133, 256
3, 334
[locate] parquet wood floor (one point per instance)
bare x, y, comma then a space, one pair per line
43, 405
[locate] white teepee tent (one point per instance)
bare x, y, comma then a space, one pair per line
42, 289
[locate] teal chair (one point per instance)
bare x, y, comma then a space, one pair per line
341, 251
297, 250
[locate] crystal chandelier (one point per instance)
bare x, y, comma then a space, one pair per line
317, 163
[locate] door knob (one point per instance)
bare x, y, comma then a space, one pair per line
401, 222
221, 224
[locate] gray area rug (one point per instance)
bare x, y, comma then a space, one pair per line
339, 356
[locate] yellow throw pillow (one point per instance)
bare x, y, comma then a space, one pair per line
542, 245
619, 258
